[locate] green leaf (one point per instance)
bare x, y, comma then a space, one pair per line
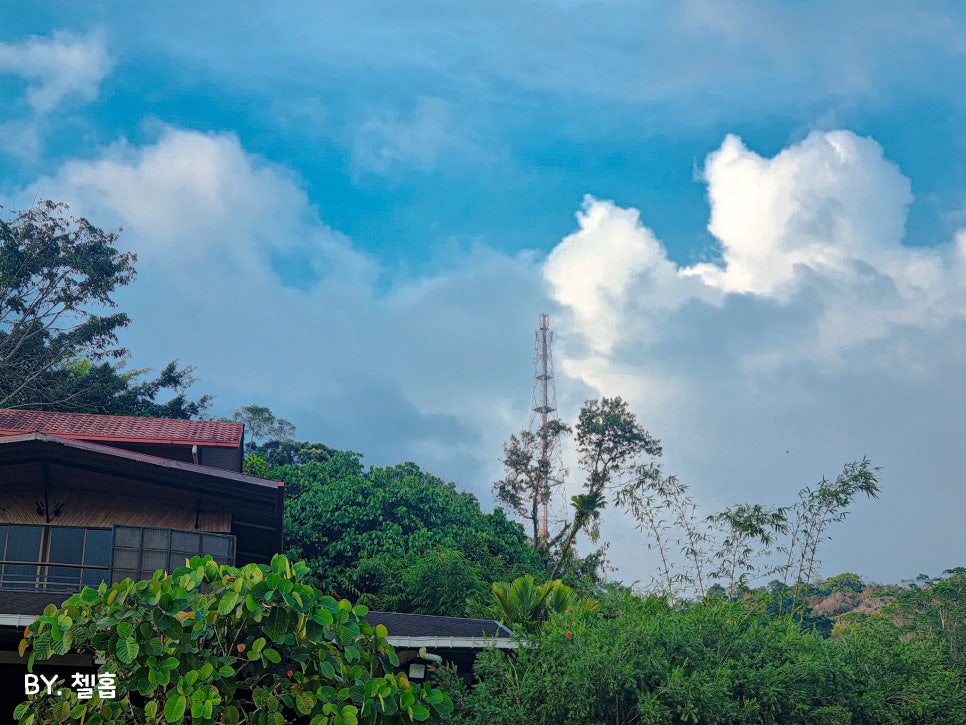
153, 647
419, 712
61, 710
279, 623
126, 650
231, 715
280, 564
304, 702
258, 645
349, 715
227, 603
174, 708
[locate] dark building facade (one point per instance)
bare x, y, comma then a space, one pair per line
91, 498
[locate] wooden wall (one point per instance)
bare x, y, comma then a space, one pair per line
72, 497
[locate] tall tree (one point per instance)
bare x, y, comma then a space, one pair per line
262, 424
85, 387
609, 444
56, 273
530, 480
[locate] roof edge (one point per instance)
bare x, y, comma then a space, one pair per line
141, 457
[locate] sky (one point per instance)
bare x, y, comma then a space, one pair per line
746, 219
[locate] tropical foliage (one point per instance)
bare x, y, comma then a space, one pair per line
643, 660
229, 645
58, 336
525, 606
397, 538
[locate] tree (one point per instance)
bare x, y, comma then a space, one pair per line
530, 480
262, 424
816, 509
748, 531
291, 452
54, 271
936, 609
230, 645
651, 498
397, 536
739, 537
82, 386
609, 441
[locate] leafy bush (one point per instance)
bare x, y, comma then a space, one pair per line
644, 661
228, 645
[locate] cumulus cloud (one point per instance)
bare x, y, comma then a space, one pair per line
58, 66
416, 370
818, 338
826, 216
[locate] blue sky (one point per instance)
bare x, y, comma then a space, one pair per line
746, 218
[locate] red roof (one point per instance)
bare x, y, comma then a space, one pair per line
122, 428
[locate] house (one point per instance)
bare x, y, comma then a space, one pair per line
87, 498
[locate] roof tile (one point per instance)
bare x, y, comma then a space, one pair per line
121, 428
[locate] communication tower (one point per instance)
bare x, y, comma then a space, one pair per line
544, 400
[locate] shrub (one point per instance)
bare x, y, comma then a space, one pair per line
228, 645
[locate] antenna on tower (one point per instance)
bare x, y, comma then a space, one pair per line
544, 401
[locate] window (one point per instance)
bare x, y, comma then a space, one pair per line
140, 550
67, 558
53, 558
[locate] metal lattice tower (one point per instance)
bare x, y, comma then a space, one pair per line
544, 397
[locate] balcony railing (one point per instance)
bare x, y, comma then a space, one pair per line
50, 576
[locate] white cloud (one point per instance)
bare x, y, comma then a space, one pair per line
825, 216
416, 372
819, 338
598, 271
820, 334
823, 204
58, 66
192, 197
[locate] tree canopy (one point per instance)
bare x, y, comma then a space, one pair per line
58, 345
83, 386
57, 273
396, 537
609, 442
262, 424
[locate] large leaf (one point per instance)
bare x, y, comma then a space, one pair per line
174, 708
126, 650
